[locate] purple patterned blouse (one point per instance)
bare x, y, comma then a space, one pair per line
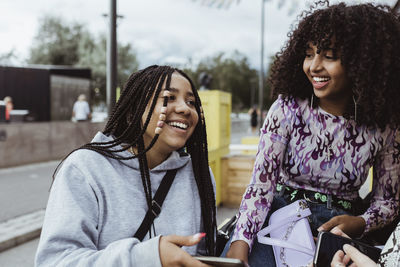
311, 149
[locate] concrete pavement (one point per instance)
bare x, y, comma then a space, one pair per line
18, 230
23, 198
20, 256
24, 189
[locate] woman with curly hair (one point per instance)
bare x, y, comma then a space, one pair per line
337, 80
106, 206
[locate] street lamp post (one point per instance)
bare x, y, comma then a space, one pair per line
112, 57
261, 86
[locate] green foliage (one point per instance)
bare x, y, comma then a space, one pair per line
93, 55
232, 74
58, 43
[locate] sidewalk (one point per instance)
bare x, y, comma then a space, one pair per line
19, 230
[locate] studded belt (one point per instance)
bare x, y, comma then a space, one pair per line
316, 197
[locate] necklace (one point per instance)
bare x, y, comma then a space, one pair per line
337, 135
330, 145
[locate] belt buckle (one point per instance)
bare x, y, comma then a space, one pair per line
309, 200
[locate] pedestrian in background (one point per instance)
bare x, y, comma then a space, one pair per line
9, 107
254, 113
104, 189
81, 110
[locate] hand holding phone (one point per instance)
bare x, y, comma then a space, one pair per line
328, 244
351, 255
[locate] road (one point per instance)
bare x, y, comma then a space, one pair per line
24, 189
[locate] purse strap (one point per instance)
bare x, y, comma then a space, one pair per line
285, 244
156, 204
302, 213
295, 217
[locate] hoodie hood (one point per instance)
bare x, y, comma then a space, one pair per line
175, 161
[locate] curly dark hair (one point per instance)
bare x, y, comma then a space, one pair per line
367, 37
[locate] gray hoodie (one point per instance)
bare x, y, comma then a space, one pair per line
96, 204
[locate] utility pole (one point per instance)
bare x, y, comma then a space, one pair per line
112, 57
261, 86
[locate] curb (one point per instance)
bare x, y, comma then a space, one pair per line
16, 231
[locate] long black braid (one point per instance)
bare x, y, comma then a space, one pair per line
126, 126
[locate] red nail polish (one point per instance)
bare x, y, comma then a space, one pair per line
199, 236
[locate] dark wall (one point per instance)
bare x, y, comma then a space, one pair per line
71, 72
29, 89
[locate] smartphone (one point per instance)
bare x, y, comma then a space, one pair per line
328, 244
220, 262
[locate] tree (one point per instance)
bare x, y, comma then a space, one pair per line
57, 43
93, 54
231, 74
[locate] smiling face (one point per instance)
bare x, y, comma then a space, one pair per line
181, 117
327, 76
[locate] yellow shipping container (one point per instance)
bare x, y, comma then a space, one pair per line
217, 112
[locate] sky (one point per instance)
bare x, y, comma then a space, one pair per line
163, 31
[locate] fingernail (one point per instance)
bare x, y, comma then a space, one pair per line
199, 235
346, 246
319, 229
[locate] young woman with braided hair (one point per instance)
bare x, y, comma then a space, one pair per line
338, 85
102, 190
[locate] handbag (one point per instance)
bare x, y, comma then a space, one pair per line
223, 234
290, 235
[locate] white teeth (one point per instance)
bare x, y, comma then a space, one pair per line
321, 79
178, 124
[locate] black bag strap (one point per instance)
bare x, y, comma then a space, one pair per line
156, 204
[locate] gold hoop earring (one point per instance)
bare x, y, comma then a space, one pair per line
355, 109
312, 100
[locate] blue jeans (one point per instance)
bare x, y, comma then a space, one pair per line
263, 255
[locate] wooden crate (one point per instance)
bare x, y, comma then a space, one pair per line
236, 175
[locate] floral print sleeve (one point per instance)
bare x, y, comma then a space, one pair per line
385, 200
258, 197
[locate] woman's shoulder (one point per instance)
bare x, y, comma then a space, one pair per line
84, 155
289, 104
84, 160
